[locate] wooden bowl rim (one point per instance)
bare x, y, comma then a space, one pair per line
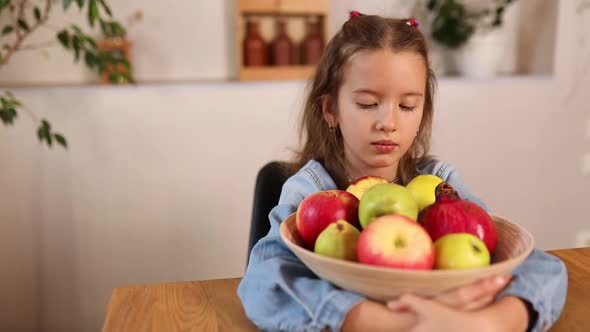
397, 271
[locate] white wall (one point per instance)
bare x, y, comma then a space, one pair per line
156, 186
157, 183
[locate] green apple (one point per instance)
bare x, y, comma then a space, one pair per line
423, 188
460, 251
386, 198
338, 240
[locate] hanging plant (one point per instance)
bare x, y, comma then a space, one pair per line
27, 16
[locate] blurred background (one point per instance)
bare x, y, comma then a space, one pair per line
174, 106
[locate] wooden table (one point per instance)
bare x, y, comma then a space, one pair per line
212, 305
575, 315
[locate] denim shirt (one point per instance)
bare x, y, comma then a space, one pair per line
279, 293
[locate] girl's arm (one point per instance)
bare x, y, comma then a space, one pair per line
278, 292
507, 314
373, 316
541, 279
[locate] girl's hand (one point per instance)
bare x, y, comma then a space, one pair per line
475, 296
375, 317
468, 298
434, 316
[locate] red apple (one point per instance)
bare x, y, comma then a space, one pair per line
322, 208
362, 184
396, 241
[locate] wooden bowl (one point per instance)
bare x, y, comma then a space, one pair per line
383, 283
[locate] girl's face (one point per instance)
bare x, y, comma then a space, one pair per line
379, 110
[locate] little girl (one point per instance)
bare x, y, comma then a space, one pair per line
369, 112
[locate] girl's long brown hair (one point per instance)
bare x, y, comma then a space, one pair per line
365, 32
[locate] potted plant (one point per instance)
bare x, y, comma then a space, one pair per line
117, 47
468, 34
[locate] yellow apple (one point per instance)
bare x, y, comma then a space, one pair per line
460, 251
423, 189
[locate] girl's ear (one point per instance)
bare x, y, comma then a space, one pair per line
328, 111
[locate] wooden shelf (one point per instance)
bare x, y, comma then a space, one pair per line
283, 7
276, 73
275, 9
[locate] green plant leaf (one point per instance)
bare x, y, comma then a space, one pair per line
67, 4
44, 132
118, 29
7, 29
37, 14
498, 17
11, 100
64, 38
80, 3
91, 41
450, 25
106, 7
46, 125
90, 60
23, 25
117, 78
7, 115
61, 140
112, 29
104, 27
93, 14
76, 46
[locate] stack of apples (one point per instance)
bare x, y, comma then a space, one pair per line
424, 225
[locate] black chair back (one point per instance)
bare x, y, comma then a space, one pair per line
269, 183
